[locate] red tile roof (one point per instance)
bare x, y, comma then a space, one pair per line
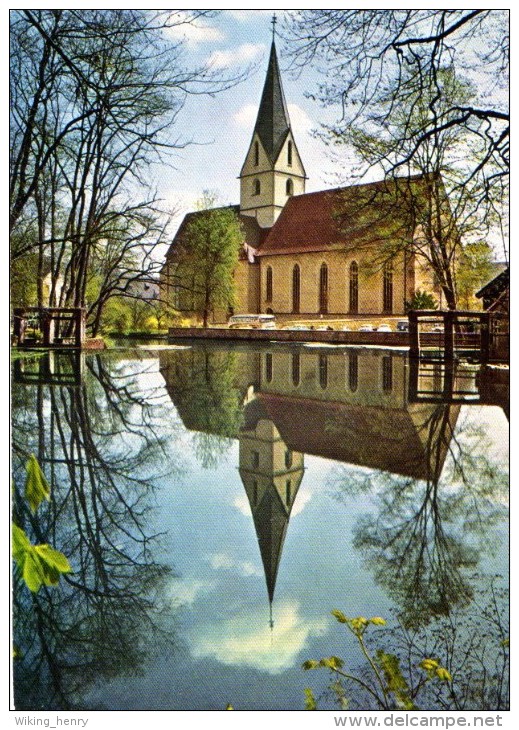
369, 436
342, 217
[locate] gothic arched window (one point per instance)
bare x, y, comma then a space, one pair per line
354, 287
288, 458
296, 289
268, 292
257, 187
296, 369
323, 289
288, 492
289, 154
256, 153
290, 187
323, 371
353, 371
269, 370
387, 374
388, 287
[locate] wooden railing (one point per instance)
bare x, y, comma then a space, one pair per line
451, 334
57, 326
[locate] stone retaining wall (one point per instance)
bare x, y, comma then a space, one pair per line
385, 339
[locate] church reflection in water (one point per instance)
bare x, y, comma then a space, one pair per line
355, 406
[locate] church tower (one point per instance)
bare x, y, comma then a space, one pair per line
273, 170
271, 474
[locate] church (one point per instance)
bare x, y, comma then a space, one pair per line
341, 252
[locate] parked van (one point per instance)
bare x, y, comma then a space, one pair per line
252, 321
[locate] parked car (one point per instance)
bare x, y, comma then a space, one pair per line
384, 328
366, 328
252, 321
402, 325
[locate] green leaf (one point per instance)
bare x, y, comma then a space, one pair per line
229, 707
38, 564
358, 624
443, 674
341, 618
430, 666
54, 563
20, 543
310, 703
333, 662
32, 570
378, 621
390, 665
310, 664
36, 486
395, 680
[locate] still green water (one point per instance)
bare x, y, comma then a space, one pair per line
217, 503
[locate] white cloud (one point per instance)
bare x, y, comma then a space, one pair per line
223, 561
302, 499
242, 505
245, 117
246, 53
195, 33
247, 640
301, 122
185, 592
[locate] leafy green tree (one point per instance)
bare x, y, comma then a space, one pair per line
204, 389
24, 288
474, 269
207, 258
422, 300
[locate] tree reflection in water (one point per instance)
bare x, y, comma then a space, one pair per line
424, 543
429, 535
98, 444
203, 384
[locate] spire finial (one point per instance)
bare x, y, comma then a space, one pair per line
273, 21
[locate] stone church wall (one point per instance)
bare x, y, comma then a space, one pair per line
370, 283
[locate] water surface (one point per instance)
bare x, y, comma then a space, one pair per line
216, 503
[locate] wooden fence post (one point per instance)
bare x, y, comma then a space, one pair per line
80, 320
448, 334
414, 345
484, 325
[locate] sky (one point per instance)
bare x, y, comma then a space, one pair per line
221, 126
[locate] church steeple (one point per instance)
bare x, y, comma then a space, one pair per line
272, 124
271, 474
272, 170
